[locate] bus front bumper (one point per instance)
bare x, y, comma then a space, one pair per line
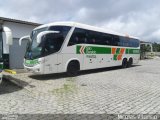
35, 69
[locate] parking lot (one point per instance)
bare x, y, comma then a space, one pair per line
112, 90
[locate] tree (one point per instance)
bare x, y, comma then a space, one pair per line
144, 48
156, 47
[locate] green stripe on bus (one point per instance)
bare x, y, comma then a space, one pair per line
93, 50
97, 50
127, 51
132, 51
78, 49
102, 50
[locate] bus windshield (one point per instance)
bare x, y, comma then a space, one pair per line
50, 43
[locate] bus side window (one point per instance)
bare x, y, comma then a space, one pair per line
123, 41
53, 43
99, 38
137, 43
134, 43
85, 40
108, 39
92, 37
93, 41
116, 40
78, 37
89, 37
74, 40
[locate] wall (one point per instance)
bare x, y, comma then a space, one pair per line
19, 30
16, 52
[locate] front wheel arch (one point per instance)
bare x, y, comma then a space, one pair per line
73, 67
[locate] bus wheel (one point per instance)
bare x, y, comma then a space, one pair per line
130, 62
73, 68
124, 63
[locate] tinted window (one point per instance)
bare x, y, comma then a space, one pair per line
52, 43
128, 42
123, 41
79, 36
116, 41
96, 38
62, 29
134, 43
100, 39
93, 37
107, 38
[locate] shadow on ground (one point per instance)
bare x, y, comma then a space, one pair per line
8, 87
64, 75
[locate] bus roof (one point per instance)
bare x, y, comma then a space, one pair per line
84, 26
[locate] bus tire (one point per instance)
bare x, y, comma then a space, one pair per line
124, 63
73, 68
130, 62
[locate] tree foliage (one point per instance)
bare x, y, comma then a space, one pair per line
145, 48
156, 47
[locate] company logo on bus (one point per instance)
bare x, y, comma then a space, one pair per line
89, 50
31, 63
86, 50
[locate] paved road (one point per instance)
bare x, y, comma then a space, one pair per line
113, 90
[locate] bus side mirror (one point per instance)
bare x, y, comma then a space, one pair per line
41, 34
8, 34
23, 38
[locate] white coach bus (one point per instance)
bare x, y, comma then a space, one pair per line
5, 41
71, 47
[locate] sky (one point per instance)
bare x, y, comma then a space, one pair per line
140, 18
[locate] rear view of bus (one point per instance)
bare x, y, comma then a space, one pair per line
71, 47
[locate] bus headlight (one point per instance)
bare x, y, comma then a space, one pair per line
41, 61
